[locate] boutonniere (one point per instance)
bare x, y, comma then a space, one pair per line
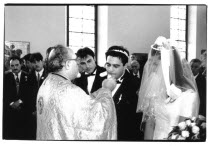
26, 78
42, 78
103, 74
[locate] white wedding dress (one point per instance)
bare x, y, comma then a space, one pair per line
159, 114
182, 106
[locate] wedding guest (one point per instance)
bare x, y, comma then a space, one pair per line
65, 111
204, 63
133, 57
135, 69
201, 84
35, 80
28, 63
15, 89
93, 75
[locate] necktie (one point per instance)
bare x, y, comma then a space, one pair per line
17, 83
38, 78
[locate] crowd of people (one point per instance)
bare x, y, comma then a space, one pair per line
68, 96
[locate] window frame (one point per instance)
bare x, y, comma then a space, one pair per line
95, 26
186, 30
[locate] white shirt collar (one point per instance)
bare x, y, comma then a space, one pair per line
196, 76
40, 72
119, 79
91, 73
18, 74
138, 74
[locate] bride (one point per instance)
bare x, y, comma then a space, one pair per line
168, 92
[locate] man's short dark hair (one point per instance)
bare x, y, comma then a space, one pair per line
14, 57
83, 52
196, 61
36, 57
120, 52
27, 57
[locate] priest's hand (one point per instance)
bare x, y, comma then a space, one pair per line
109, 83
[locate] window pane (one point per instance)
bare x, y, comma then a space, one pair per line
174, 24
178, 26
182, 13
182, 35
81, 27
75, 24
174, 34
181, 46
88, 12
88, 40
174, 13
75, 11
88, 26
75, 39
182, 24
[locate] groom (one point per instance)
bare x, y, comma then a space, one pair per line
125, 94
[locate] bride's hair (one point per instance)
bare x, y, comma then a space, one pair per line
180, 72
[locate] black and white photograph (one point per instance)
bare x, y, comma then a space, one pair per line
104, 72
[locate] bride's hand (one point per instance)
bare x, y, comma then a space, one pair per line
173, 93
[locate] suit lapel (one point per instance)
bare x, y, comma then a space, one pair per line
98, 80
120, 91
23, 77
42, 78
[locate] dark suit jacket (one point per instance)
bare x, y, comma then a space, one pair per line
13, 119
201, 85
125, 99
82, 81
139, 79
30, 114
33, 89
10, 91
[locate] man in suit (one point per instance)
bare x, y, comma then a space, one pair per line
15, 87
36, 77
92, 75
135, 70
28, 65
125, 94
201, 84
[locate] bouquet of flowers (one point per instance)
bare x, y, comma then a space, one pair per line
190, 129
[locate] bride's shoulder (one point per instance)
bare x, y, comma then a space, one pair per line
189, 93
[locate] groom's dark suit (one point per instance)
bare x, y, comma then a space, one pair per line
125, 99
100, 75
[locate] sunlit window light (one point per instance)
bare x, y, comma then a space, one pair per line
81, 26
178, 27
